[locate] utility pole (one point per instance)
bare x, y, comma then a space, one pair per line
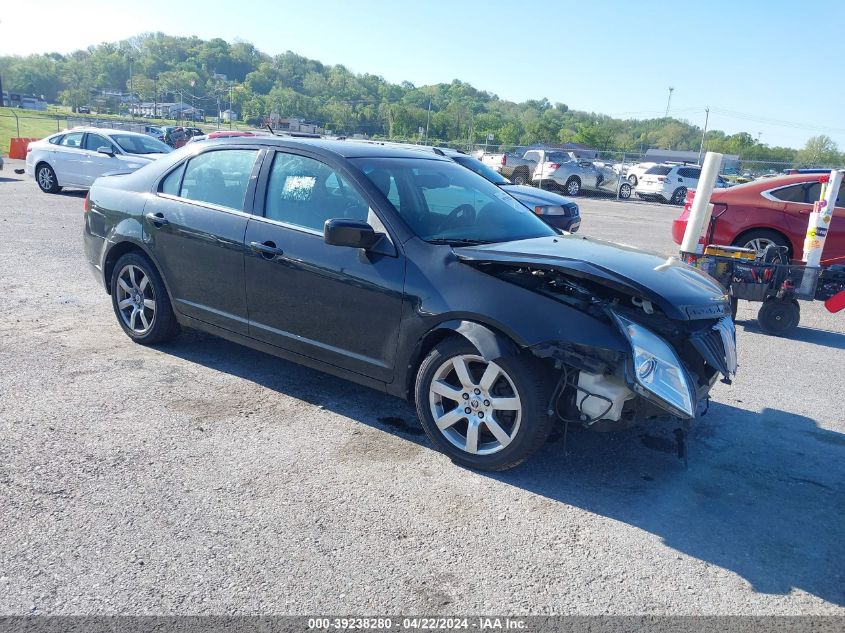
155, 96
704, 133
130, 87
230, 106
669, 101
427, 120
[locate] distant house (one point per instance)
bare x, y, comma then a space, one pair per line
729, 161
229, 115
27, 102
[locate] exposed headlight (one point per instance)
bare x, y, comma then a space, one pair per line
657, 367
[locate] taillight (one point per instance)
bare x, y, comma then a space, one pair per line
87, 204
554, 166
661, 178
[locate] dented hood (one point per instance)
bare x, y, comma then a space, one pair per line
681, 291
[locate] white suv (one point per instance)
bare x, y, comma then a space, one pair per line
77, 157
669, 183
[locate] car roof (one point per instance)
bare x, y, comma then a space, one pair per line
102, 130
343, 148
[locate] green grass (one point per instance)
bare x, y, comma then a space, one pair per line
35, 124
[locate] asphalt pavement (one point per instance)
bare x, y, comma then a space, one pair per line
200, 477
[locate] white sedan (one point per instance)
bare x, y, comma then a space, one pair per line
77, 157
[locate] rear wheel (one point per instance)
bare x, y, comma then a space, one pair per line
759, 239
520, 177
46, 178
140, 301
573, 186
679, 196
488, 415
625, 191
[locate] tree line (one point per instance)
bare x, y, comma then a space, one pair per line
214, 73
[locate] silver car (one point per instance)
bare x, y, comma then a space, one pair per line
565, 171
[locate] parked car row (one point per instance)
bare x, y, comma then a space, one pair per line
559, 171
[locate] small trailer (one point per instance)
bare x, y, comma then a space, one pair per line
768, 277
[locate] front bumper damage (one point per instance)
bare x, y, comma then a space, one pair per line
600, 390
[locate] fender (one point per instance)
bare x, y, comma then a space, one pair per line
491, 345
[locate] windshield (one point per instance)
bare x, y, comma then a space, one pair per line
444, 202
481, 169
140, 144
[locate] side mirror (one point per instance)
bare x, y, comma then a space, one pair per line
108, 151
352, 233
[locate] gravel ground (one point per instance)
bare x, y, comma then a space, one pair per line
204, 478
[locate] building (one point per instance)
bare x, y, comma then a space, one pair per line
730, 162
229, 115
27, 102
293, 124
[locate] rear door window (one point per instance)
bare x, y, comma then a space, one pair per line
74, 140
218, 177
794, 193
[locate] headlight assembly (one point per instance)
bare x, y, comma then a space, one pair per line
658, 369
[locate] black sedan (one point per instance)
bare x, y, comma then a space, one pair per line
554, 209
408, 273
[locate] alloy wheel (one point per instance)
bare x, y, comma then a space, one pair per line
475, 404
572, 187
759, 244
135, 299
45, 178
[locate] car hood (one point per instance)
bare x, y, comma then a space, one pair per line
681, 291
534, 197
146, 157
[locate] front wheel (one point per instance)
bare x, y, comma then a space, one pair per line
625, 191
140, 301
46, 178
632, 179
487, 415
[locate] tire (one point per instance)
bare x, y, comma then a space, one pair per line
679, 196
523, 382
140, 301
759, 239
632, 180
46, 178
520, 177
625, 191
573, 186
779, 317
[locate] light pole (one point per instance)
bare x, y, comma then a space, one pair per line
669, 101
704, 133
427, 120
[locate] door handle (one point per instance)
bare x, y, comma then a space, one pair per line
267, 249
157, 219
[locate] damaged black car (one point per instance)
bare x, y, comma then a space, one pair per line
407, 273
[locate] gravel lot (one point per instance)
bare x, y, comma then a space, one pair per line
204, 478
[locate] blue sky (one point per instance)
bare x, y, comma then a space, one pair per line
776, 67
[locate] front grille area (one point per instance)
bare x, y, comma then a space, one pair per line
717, 345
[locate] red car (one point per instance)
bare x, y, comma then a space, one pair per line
771, 211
